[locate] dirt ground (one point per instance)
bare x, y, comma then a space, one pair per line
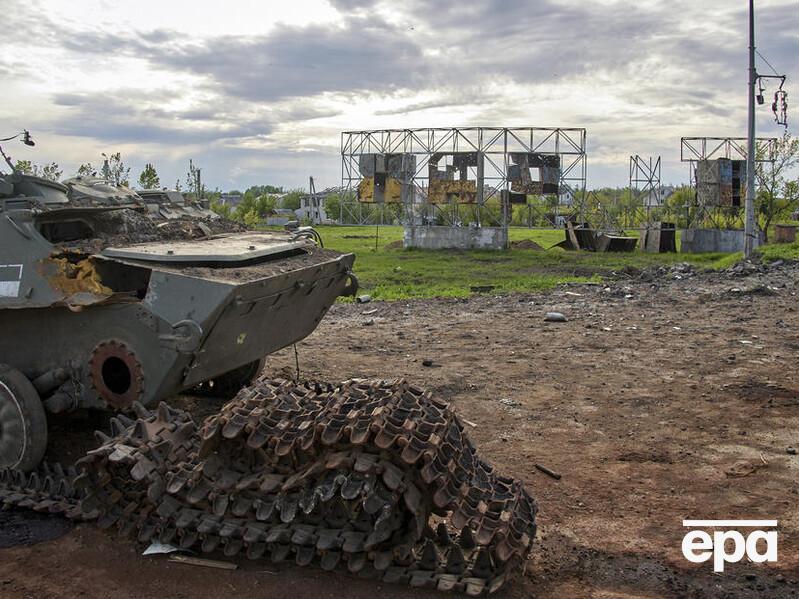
667, 395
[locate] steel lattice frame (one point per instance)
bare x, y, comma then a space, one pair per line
494, 144
695, 149
645, 182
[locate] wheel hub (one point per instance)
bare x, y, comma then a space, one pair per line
116, 374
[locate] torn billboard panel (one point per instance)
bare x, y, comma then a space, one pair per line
721, 182
533, 173
449, 178
386, 178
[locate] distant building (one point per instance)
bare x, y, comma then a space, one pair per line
312, 207
566, 197
231, 200
655, 198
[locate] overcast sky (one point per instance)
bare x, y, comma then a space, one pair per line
258, 92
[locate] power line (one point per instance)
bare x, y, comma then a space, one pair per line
766, 61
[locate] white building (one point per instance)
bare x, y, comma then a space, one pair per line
566, 197
655, 198
312, 207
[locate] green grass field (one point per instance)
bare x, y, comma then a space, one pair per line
388, 272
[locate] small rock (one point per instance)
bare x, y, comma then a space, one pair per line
369, 322
427, 362
791, 451
363, 299
554, 317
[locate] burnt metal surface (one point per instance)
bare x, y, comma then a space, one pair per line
377, 477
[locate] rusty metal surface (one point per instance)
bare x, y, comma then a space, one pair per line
118, 394
377, 477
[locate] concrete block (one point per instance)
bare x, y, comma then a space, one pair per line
462, 238
697, 241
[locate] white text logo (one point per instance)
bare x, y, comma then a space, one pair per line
729, 545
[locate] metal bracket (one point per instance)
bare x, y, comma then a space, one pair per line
186, 338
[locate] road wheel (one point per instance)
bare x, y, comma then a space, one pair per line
23, 424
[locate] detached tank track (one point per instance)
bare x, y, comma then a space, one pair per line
377, 476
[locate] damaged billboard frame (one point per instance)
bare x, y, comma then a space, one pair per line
415, 173
718, 175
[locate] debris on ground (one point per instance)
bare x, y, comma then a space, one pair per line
548, 472
526, 244
555, 317
205, 563
158, 548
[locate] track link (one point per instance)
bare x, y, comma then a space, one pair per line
377, 477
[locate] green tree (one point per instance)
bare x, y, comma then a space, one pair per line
51, 171
245, 207
259, 190
251, 210
148, 179
221, 209
24, 166
777, 194
115, 171
86, 170
291, 200
194, 184
265, 205
251, 219
333, 204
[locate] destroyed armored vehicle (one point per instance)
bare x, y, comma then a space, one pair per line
171, 204
94, 191
161, 205
101, 306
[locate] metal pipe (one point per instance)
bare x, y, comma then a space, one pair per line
50, 380
749, 205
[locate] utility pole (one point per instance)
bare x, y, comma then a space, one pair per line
749, 204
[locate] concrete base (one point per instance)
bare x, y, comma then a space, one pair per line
461, 238
697, 241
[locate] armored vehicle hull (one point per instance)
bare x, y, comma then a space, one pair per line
93, 318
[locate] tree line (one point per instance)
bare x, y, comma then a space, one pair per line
777, 195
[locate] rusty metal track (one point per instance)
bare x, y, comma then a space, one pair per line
374, 476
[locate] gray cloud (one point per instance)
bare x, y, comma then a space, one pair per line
125, 116
366, 55
660, 61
